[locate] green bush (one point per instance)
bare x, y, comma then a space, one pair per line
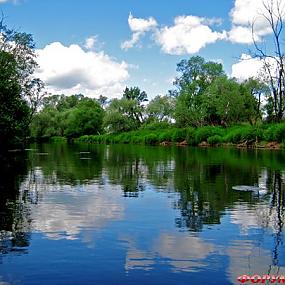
179, 135
202, 134
156, 126
165, 135
242, 134
190, 136
151, 139
58, 139
275, 132
216, 139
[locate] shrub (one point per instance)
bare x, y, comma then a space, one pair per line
179, 135
58, 139
216, 139
151, 139
275, 133
165, 135
202, 134
156, 126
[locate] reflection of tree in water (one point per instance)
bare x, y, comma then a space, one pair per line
277, 208
68, 164
204, 179
14, 213
126, 170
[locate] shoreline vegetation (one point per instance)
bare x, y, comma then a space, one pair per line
206, 107
267, 136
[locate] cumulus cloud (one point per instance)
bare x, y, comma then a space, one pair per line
138, 27
247, 67
247, 12
90, 42
188, 35
70, 69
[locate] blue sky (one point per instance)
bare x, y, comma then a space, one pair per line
164, 32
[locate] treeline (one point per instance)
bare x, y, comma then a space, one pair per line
203, 96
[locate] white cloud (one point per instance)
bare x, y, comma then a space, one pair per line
240, 34
188, 35
247, 67
90, 42
70, 69
139, 27
246, 12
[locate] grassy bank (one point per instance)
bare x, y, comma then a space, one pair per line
243, 135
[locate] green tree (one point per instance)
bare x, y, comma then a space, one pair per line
14, 111
118, 117
84, 119
195, 76
160, 109
70, 116
127, 113
20, 92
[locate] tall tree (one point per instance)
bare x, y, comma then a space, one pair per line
195, 76
20, 92
272, 56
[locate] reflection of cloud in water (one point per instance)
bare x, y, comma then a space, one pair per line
63, 214
246, 257
182, 251
256, 216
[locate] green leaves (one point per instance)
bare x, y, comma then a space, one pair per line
69, 116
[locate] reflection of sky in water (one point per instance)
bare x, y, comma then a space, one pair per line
92, 233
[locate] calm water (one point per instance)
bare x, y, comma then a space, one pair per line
86, 214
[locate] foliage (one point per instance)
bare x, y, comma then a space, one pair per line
202, 134
214, 140
160, 109
195, 76
19, 90
127, 113
69, 116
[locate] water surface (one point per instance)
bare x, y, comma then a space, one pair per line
90, 214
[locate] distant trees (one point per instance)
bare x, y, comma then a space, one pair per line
203, 95
127, 113
160, 109
69, 116
206, 96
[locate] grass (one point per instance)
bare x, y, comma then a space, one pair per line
210, 134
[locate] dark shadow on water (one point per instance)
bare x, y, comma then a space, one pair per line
14, 213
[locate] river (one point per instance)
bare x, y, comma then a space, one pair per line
124, 214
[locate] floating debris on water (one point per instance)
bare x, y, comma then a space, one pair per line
84, 152
248, 188
42, 153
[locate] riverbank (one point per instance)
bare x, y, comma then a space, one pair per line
270, 136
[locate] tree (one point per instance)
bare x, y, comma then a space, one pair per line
227, 102
161, 109
84, 119
273, 57
257, 91
137, 97
127, 113
14, 111
20, 92
70, 116
195, 76
119, 116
